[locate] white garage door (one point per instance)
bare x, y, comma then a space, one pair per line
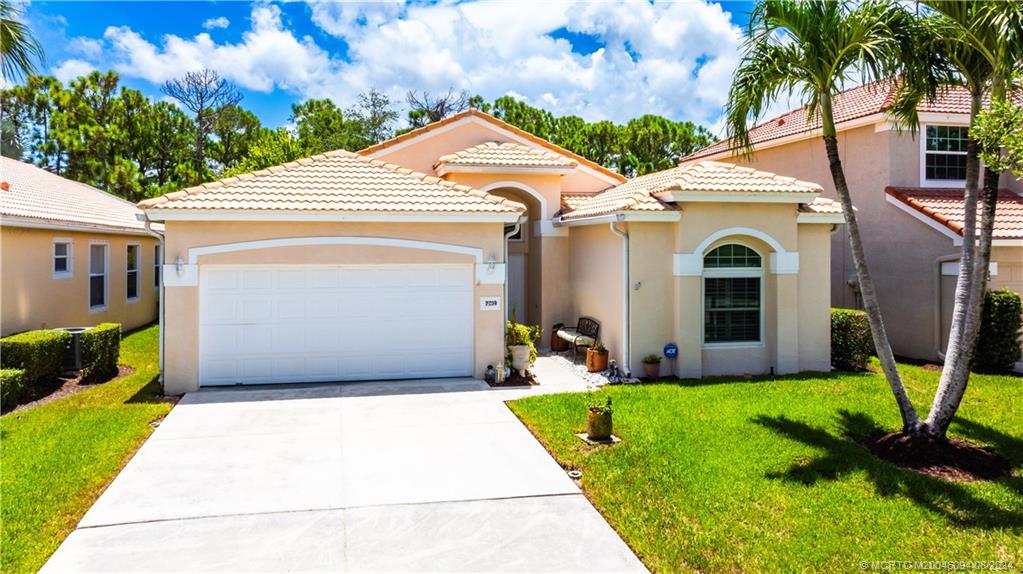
309, 323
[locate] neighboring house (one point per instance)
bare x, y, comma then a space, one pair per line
908, 192
401, 262
71, 255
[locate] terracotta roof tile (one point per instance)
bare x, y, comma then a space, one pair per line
823, 206
700, 177
505, 154
34, 193
854, 103
946, 206
336, 181
499, 123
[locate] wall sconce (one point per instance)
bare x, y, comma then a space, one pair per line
179, 264
491, 264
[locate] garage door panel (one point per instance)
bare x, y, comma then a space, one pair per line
334, 323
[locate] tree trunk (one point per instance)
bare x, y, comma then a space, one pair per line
910, 419
966, 312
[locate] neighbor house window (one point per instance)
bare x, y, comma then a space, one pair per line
732, 293
945, 153
131, 272
97, 275
156, 265
61, 258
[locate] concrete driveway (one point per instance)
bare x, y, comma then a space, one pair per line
409, 476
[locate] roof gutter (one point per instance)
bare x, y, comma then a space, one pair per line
619, 216
162, 302
626, 296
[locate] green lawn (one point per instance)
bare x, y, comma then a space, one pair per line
58, 457
730, 476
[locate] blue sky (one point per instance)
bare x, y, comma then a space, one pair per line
598, 60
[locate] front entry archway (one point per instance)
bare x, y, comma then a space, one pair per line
524, 267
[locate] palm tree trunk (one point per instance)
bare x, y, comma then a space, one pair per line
910, 419
965, 314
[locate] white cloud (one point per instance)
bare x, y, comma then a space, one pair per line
71, 69
91, 48
221, 22
673, 59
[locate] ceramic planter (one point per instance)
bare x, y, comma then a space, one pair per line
652, 370
598, 426
519, 357
596, 361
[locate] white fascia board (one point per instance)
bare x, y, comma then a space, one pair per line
1007, 242
943, 118
734, 197
952, 268
27, 223
955, 237
228, 215
633, 216
829, 218
446, 169
497, 129
815, 133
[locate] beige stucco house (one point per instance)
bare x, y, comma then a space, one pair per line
71, 255
403, 261
907, 190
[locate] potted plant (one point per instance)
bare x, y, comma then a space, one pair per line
520, 338
598, 420
652, 366
596, 358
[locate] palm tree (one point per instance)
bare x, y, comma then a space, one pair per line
810, 47
982, 42
18, 47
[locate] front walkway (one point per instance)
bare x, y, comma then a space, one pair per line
405, 476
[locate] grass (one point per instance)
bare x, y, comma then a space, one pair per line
58, 457
735, 475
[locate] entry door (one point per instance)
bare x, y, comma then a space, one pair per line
312, 323
517, 287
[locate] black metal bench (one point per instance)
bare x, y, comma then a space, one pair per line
585, 334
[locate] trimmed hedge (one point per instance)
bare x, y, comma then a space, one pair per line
852, 345
101, 346
39, 353
12, 385
998, 341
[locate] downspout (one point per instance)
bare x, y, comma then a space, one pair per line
626, 295
507, 236
162, 301
939, 351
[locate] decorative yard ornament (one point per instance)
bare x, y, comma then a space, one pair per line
614, 376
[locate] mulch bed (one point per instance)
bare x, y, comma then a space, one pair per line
951, 459
61, 386
516, 381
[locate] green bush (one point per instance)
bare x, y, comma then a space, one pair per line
12, 386
851, 342
39, 353
998, 341
101, 346
519, 334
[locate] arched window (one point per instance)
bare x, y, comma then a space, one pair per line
732, 295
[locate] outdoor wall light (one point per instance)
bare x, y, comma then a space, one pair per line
179, 264
491, 263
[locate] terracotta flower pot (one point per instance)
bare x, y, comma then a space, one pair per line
652, 370
596, 361
598, 425
558, 344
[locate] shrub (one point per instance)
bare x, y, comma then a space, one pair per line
998, 340
600, 405
39, 353
101, 347
519, 334
851, 342
652, 359
12, 386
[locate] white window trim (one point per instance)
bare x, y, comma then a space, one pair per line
733, 272
157, 263
70, 258
138, 271
106, 275
949, 183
